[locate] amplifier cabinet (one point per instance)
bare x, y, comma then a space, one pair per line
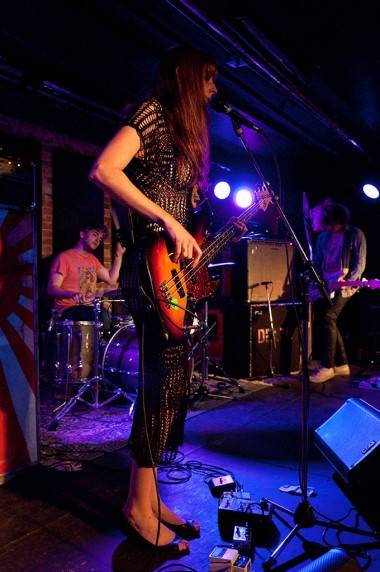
247, 339
259, 261
216, 335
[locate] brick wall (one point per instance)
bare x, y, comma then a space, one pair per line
47, 222
46, 202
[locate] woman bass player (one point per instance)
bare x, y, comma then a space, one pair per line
151, 166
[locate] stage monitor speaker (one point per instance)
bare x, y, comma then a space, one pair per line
246, 340
258, 261
350, 441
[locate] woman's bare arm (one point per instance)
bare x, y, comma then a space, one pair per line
108, 173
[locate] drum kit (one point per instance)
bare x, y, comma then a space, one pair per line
99, 359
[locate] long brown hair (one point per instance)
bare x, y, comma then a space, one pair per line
179, 85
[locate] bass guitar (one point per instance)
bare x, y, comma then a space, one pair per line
177, 287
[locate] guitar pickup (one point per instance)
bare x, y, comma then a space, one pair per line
178, 283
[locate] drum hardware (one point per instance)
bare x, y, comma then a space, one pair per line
203, 389
111, 322
91, 383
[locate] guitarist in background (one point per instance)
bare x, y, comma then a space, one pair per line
339, 254
151, 166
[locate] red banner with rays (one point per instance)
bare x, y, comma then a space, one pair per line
18, 371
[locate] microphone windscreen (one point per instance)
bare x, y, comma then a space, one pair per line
218, 104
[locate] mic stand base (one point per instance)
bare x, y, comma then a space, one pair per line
304, 517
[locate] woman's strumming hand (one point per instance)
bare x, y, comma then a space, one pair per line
185, 245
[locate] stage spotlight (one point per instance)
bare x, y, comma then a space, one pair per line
222, 190
371, 191
243, 198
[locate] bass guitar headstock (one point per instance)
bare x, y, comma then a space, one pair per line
263, 197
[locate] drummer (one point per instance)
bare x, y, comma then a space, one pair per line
74, 274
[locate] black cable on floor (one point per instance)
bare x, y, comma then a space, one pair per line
176, 568
181, 471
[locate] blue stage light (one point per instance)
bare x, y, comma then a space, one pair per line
243, 198
222, 190
371, 191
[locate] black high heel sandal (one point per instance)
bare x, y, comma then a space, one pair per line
187, 530
172, 549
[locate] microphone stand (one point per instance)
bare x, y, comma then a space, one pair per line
303, 516
272, 339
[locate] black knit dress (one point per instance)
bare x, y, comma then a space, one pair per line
160, 412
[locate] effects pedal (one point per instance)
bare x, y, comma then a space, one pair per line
222, 558
235, 509
243, 540
242, 564
219, 485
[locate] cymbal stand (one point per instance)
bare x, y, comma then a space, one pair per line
91, 384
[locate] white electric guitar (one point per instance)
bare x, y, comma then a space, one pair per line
337, 282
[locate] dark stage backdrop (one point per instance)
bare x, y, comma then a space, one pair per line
17, 158
75, 199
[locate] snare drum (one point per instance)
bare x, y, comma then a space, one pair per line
74, 349
120, 362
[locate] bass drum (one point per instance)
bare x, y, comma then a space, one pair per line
120, 362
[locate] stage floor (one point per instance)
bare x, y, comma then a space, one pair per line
67, 520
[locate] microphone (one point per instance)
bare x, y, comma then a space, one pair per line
256, 284
221, 106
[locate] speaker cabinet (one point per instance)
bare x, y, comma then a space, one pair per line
247, 340
258, 261
350, 441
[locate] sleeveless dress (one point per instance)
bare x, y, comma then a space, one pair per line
158, 423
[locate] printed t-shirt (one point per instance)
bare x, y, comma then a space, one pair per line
79, 271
